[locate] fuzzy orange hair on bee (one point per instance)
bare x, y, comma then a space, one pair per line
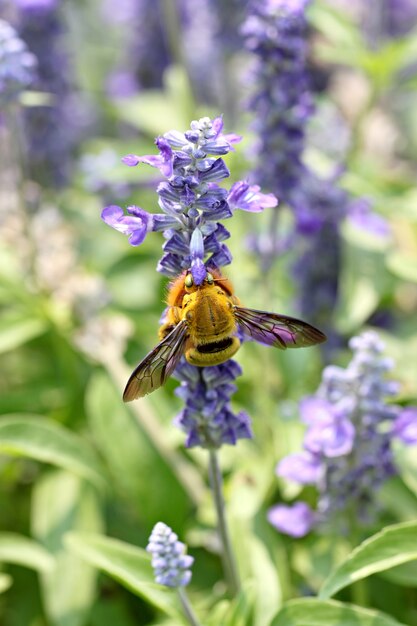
202, 323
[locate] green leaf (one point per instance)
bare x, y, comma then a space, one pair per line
129, 565
403, 265
405, 574
42, 439
159, 495
268, 595
392, 546
21, 550
406, 462
364, 280
312, 612
16, 331
61, 502
6, 581
238, 612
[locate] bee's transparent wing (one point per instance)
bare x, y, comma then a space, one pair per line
158, 365
277, 330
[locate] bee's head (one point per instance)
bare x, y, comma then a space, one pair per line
190, 286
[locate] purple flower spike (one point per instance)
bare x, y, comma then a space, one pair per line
351, 424
136, 225
249, 198
296, 520
405, 426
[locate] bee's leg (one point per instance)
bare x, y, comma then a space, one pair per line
172, 318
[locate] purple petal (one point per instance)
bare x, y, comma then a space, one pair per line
315, 410
136, 225
304, 468
296, 520
331, 439
216, 172
249, 198
405, 426
198, 270
131, 160
217, 125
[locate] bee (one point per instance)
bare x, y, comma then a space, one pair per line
202, 323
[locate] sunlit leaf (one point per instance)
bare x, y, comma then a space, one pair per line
312, 612
42, 439
129, 565
139, 471
61, 502
16, 331
6, 581
392, 546
21, 550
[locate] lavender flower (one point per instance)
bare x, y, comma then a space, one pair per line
193, 203
170, 563
17, 64
350, 428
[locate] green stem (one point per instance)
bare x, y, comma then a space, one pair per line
229, 563
189, 613
359, 589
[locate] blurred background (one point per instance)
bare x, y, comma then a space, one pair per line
80, 307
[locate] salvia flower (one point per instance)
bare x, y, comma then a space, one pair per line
348, 441
17, 64
191, 198
193, 205
170, 563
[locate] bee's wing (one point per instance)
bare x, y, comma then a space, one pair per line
277, 330
158, 365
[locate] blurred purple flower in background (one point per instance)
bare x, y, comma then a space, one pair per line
53, 127
193, 203
348, 442
17, 65
276, 33
387, 19
145, 54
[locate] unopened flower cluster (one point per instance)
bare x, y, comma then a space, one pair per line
170, 563
193, 204
348, 441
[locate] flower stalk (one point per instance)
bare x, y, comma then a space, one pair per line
228, 559
187, 608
